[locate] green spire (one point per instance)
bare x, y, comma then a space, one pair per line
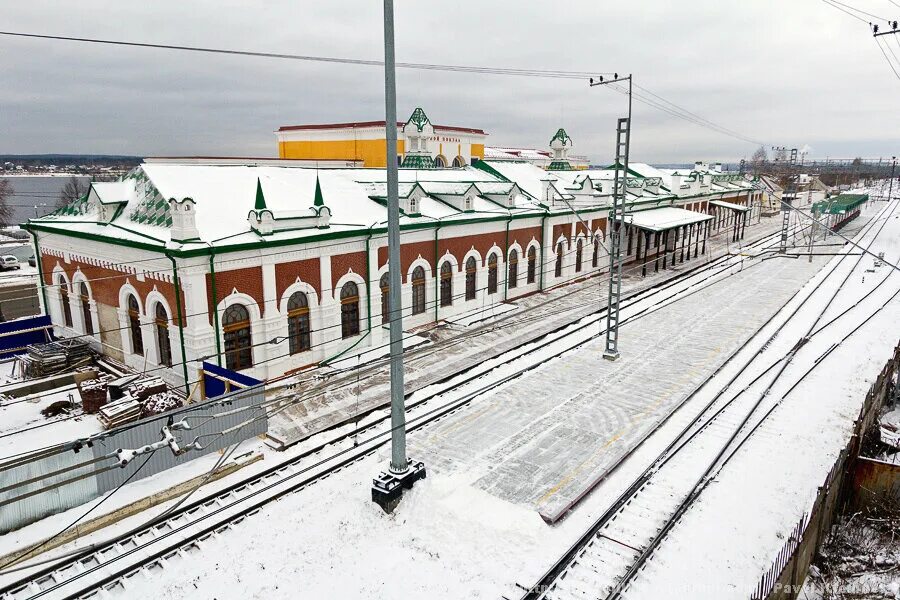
260, 199
561, 135
319, 201
418, 118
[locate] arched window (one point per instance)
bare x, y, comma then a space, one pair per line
298, 323
440, 162
579, 255
559, 256
413, 205
459, 162
471, 271
446, 284
385, 285
492, 274
162, 335
238, 339
595, 260
64, 298
349, 310
418, 291
134, 325
532, 264
513, 269
86, 308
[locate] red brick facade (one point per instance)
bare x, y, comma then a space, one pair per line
341, 264
246, 281
286, 275
105, 283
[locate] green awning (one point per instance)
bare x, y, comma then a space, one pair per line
840, 204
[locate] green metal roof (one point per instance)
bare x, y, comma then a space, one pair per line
560, 165
417, 161
840, 204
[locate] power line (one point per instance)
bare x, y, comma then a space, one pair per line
669, 102
545, 73
883, 53
888, 46
323, 59
868, 14
857, 17
687, 117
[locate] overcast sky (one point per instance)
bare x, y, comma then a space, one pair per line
790, 72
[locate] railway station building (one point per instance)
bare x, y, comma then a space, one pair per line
266, 266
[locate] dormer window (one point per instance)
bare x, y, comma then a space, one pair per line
413, 205
468, 203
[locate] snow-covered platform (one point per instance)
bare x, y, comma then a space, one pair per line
545, 440
500, 328
471, 529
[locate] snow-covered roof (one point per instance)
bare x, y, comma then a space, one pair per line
729, 205
667, 217
232, 203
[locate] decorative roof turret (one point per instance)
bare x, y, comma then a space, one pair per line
318, 200
260, 198
562, 136
560, 144
418, 130
419, 119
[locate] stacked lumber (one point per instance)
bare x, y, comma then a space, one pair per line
115, 414
41, 360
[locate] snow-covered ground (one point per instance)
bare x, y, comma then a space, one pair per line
24, 274
454, 538
731, 535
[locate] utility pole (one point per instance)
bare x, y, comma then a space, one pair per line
812, 233
623, 140
789, 193
891, 183
387, 488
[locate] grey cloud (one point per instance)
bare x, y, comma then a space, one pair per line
791, 73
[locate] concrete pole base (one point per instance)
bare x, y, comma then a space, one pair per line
387, 488
611, 355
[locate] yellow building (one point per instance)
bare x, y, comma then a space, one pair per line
419, 143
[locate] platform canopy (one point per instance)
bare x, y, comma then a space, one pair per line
840, 204
723, 204
661, 219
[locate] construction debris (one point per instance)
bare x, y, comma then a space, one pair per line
41, 360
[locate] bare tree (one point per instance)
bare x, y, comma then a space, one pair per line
758, 160
72, 191
6, 190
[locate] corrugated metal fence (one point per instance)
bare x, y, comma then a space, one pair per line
44, 484
788, 570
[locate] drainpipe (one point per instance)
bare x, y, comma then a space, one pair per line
437, 273
543, 237
215, 306
40, 266
187, 389
369, 282
506, 260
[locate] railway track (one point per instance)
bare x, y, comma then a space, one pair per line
349, 376
110, 565
615, 549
